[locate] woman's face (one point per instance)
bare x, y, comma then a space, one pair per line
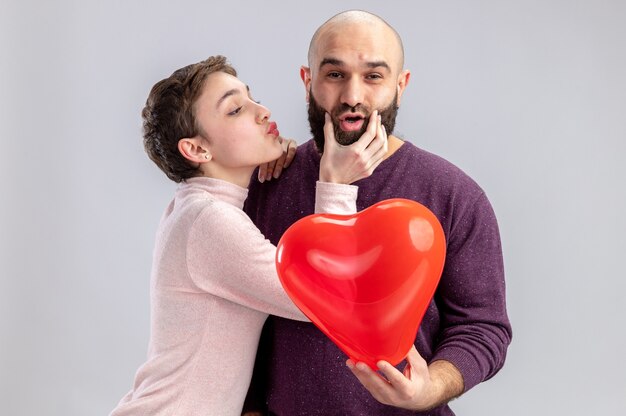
239, 132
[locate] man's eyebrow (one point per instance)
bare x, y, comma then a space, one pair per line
331, 61
338, 62
229, 93
378, 64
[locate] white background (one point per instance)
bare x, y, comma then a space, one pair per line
528, 97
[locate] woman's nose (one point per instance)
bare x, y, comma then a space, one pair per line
263, 114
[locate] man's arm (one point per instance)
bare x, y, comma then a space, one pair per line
475, 331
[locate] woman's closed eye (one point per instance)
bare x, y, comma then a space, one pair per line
235, 111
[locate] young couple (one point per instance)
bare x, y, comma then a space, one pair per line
214, 281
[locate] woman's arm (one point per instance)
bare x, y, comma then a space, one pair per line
230, 258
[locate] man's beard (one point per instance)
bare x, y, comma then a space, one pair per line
316, 121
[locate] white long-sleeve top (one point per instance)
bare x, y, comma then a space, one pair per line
213, 284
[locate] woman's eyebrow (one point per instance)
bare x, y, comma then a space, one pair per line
227, 94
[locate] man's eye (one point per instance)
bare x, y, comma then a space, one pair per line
235, 111
334, 75
374, 76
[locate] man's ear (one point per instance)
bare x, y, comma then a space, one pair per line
305, 74
195, 149
403, 81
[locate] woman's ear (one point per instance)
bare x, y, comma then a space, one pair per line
194, 149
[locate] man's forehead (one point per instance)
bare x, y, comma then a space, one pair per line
366, 43
359, 61
354, 33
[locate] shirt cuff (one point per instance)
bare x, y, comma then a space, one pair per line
335, 198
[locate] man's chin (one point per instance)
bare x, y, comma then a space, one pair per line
346, 138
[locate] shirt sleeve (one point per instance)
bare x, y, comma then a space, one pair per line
333, 198
471, 297
229, 257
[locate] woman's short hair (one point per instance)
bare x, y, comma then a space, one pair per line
169, 115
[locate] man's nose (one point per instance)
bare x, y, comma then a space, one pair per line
352, 94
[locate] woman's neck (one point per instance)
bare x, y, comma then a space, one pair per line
240, 177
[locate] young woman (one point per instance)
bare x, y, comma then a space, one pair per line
213, 280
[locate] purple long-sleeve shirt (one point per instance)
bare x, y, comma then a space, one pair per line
301, 372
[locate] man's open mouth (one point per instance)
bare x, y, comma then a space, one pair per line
351, 122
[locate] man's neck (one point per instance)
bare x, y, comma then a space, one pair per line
393, 145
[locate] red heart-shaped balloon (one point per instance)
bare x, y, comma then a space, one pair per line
365, 279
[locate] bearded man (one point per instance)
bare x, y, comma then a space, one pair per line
356, 67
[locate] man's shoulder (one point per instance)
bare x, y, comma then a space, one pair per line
303, 168
429, 165
307, 151
299, 177
426, 157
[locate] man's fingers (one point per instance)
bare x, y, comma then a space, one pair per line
278, 167
374, 383
269, 170
291, 152
262, 172
413, 356
416, 362
393, 375
275, 168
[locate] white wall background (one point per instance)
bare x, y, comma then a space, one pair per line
529, 97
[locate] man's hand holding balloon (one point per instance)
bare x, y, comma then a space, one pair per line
419, 387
